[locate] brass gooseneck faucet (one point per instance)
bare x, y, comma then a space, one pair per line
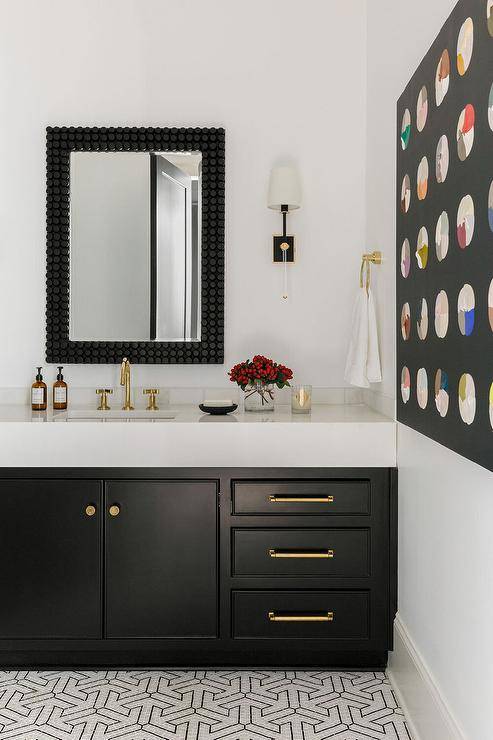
125, 380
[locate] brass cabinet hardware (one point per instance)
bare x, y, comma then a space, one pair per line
114, 510
326, 617
295, 554
301, 499
90, 510
104, 393
152, 393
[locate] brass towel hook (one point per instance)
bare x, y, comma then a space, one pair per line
375, 258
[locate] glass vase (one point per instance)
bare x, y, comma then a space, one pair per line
259, 397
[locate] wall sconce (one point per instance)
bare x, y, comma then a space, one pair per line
284, 196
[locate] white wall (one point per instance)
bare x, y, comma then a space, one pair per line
285, 78
446, 502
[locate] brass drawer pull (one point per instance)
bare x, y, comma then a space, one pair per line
114, 510
294, 554
301, 499
90, 510
327, 617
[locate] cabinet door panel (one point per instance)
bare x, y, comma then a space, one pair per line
50, 581
161, 559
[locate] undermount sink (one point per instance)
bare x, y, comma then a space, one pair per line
118, 415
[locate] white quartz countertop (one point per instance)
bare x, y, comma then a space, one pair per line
331, 436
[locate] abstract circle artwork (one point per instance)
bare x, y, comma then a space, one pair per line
442, 77
465, 221
405, 384
467, 398
442, 159
490, 305
465, 310
422, 109
406, 322
465, 132
441, 315
406, 129
422, 179
422, 248
422, 388
442, 236
405, 194
490, 206
490, 106
441, 393
422, 322
405, 258
490, 396
465, 45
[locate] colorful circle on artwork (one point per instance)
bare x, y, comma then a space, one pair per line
490, 206
406, 322
442, 236
422, 322
442, 159
422, 248
422, 109
465, 310
422, 388
405, 258
491, 394
441, 314
442, 77
405, 384
422, 179
489, 16
406, 129
465, 132
465, 221
467, 398
490, 305
441, 393
490, 107
405, 194
465, 44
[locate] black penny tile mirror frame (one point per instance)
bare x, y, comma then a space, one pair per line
60, 142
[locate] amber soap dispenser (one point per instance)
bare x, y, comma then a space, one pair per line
39, 393
60, 392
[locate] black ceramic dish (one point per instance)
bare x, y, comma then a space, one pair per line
218, 410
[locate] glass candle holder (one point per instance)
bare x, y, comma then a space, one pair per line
301, 399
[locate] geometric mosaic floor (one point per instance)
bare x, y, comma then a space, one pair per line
198, 705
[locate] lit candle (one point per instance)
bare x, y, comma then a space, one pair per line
301, 399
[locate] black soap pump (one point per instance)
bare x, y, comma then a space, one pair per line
60, 392
39, 393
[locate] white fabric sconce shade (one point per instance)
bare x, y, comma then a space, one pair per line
284, 188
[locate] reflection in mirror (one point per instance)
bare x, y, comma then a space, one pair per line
135, 246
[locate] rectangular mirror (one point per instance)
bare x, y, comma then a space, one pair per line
135, 246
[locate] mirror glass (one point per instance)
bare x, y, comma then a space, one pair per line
135, 246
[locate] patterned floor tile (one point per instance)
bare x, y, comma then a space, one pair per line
198, 705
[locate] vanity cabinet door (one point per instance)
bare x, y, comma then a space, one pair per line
50, 553
161, 558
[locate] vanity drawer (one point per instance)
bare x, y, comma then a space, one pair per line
325, 615
301, 552
302, 497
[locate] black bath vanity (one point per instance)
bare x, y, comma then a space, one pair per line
198, 566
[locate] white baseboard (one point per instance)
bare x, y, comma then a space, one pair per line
427, 712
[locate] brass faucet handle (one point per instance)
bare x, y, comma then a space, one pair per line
104, 393
152, 393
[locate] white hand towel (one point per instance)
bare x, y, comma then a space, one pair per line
363, 360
